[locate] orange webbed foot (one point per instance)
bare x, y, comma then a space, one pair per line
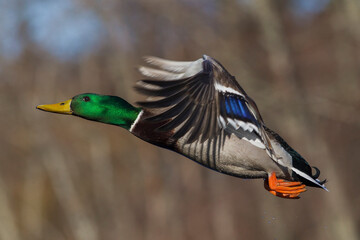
282, 188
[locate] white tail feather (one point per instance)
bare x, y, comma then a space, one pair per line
304, 175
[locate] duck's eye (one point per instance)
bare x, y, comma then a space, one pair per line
86, 99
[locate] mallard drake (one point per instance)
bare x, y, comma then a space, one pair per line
199, 110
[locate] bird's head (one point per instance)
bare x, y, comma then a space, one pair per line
101, 108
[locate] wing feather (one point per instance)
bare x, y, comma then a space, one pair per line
199, 100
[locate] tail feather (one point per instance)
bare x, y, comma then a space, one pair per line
317, 174
312, 179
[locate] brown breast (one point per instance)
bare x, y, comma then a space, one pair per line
147, 131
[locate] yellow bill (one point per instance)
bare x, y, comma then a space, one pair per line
61, 107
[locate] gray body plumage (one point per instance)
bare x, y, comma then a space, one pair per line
233, 156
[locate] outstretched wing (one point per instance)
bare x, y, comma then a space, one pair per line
199, 99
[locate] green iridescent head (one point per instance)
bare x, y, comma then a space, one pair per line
101, 108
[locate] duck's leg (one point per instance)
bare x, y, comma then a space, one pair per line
284, 189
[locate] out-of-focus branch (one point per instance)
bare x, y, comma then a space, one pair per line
33, 202
8, 227
345, 24
272, 36
80, 222
342, 113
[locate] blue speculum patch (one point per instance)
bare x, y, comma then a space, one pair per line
237, 107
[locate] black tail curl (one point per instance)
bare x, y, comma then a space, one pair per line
316, 175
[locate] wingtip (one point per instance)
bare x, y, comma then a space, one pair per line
138, 68
141, 69
147, 58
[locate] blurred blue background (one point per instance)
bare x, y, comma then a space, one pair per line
60, 27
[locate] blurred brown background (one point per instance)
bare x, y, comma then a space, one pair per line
63, 177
